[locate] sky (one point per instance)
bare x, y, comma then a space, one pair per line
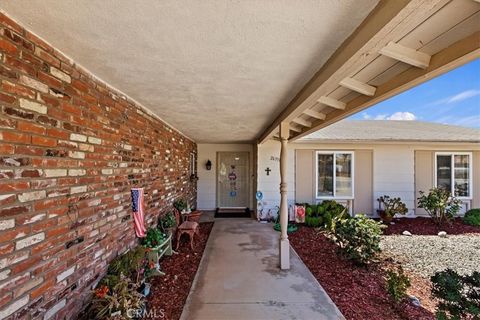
452, 98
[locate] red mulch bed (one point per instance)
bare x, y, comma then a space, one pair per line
426, 226
359, 292
169, 293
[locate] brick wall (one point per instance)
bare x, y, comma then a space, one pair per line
70, 150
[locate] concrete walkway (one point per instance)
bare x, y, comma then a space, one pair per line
239, 278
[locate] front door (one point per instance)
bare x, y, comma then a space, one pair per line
232, 179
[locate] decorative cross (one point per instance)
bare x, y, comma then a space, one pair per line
268, 171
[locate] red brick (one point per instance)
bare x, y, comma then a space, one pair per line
30, 127
6, 21
7, 72
18, 64
6, 248
7, 98
7, 46
45, 56
57, 133
79, 85
43, 141
39, 291
49, 80
11, 211
67, 107
15, 37
26, 265
29, 150
18, 231
16, 137
6, 149
14, 186
18, 90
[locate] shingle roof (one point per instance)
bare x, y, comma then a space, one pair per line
390, 130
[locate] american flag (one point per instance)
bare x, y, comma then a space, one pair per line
138, 212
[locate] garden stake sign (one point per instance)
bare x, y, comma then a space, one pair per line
138, 212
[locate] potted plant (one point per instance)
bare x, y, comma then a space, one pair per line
389, 207
440, 204
180, 204
168, 223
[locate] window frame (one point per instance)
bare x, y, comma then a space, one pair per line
452, 174
334, 153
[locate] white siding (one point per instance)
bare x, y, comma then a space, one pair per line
394, 174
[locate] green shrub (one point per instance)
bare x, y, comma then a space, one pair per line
397, 284
439, 204
459, 295
167, 221
154, 238
358, 238
472, 217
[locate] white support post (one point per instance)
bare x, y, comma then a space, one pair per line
284, 243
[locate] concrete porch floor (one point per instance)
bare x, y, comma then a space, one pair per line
239, 278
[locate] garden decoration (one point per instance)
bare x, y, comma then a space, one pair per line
389, 207
291, 227
299, 213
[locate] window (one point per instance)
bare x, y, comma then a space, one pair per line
334, 174
453, 172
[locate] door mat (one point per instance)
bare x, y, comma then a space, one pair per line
232, 213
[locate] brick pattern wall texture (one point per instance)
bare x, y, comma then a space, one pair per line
70, 150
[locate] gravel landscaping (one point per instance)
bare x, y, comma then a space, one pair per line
426, 255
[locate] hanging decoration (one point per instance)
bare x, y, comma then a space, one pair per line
232, 176
138, 212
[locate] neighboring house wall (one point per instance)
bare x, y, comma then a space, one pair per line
71, 150
207, 179
424, 166
425, 174
394, 169
476, 180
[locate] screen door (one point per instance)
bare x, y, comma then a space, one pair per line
232, 179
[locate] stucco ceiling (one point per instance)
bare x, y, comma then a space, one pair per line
218, 71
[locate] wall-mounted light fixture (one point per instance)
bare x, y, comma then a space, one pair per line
208, 165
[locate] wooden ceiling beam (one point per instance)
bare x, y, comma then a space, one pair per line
331, 102
458, 54
388, 21
315, 114
407, 55
302, 122
358, 86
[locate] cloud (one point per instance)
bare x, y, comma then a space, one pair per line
396, 116
408, 116
463, 96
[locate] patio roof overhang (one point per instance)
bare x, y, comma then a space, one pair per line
399, 45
